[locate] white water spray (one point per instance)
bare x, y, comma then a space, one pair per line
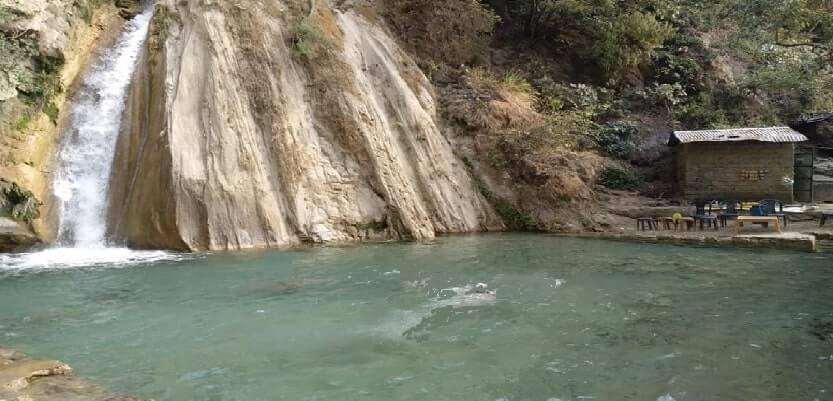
86, 156
85, 160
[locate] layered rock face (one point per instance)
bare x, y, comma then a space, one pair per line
273, 123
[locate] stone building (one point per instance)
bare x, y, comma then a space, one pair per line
743, 164
815, 162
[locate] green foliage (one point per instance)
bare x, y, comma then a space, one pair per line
617, 139
702, 113
682, 61
52, 111
515, 82
310, 40
619, 179
789, 48
20, 204
163, 20
87, 8
774, 58
627, 42
35, 77
22, 122
515, 219
667, 95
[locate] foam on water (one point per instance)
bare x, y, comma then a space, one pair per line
400, 322
73, 258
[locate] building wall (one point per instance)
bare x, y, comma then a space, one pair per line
735, 170
823, 191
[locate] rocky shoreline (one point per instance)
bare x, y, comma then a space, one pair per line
25, 379
786, 242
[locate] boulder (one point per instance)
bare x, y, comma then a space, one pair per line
15, 236
24, 378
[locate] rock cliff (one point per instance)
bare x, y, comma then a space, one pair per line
265, 124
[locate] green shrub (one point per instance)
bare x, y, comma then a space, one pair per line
20, 204
163, 19
670, 68
619, 179
701, 113
310, 41
52, 111
515, 82
617, 139
515, 219
22, 122
627, 42
37, 78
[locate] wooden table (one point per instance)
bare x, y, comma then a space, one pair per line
687, 222
765, 220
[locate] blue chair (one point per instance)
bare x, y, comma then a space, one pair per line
775, 208
758, 210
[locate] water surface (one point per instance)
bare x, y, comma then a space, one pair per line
572, 319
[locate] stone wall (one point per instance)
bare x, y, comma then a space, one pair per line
737, 170
823, 191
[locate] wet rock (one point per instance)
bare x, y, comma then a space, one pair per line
15, 236
128, 8
822, 329
24, 378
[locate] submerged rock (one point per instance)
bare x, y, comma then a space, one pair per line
822, 329
24, 378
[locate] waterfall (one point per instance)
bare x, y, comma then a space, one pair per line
84, 163
86, 155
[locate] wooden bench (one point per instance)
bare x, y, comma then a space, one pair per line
765, 220
650, 222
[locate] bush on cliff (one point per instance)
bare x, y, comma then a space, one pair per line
20, 204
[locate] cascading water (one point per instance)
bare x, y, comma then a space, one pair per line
86, 156
85, 160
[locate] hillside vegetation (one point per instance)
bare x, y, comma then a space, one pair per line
546, 87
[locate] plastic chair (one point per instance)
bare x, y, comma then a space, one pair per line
733, 209
775, 208
758, 210
704, 215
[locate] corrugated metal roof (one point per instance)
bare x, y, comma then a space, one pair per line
772, 134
